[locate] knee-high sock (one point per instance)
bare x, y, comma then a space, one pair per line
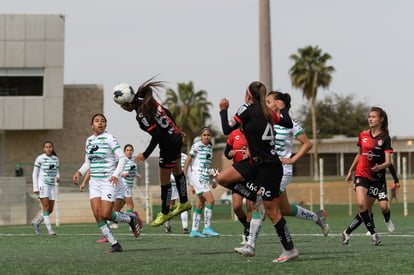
107, 232
387, 216
165, 198
181, 184
184, 219
284, 234
208, 215
46, 218
367, 220
254, 229
196, 219
356, 222
39, 219
121, 217
303, 213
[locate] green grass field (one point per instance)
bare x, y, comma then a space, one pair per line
74, 251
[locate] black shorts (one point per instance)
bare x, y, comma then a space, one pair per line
169, 154
376, 189
266, 175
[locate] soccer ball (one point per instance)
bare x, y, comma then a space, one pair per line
123, 94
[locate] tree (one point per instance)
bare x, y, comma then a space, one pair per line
189, 108
337, 115
308, 73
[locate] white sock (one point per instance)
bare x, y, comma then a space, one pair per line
46, 218
167, 224
255, 226
39, 219
121, 217
208, 214
196, 220
303, 213
184, 219
107, 232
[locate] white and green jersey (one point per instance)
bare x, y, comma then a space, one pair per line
202, 156
45, 171
130, 168
284, 138
102, 153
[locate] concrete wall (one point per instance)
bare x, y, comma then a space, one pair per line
13, 200
27, 43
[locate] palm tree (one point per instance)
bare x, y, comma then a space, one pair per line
189, 108
308, 74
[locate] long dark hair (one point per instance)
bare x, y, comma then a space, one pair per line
144, 98
53, 146
384, 124
285, 97
257, 90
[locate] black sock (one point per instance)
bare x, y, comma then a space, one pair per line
165, 198
387, 216
244, 222
181, 184
282, 231
356, 222
367, 220
372, 219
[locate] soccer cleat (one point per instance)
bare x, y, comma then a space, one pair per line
181, 207
51, 233
390, 226
322, 222
345, 238
186, 231
136, 229
161, 218
168, 229
36, 227
103, 240
115, 248
259, 205
196, 234
246, 250
210, 232
287, 255
375, 239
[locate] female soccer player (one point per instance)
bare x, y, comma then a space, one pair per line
263, 164
102, 151
373, 157
159, 123
284, 142
236, 149
45, 175
199, 160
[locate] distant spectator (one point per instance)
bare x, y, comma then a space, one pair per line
19, 170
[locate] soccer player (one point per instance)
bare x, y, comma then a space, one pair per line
102, 151
45, 175
373, 157
263, 165
284, 142
198, 165
157, 121
236, 149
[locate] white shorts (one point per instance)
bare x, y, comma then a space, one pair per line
174, 192
101, 188
200, 184
47, 191
128, 191
120, 191
287, 176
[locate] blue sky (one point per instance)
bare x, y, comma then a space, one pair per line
215, 44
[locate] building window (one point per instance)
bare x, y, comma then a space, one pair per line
21, 82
